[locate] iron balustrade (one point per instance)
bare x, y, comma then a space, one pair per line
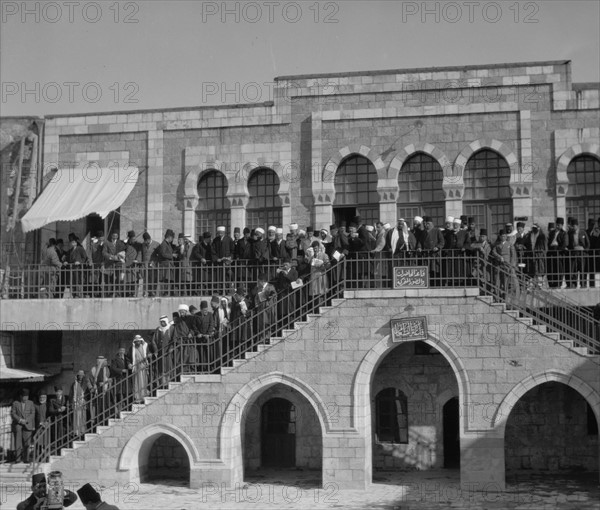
192, 354
196, 353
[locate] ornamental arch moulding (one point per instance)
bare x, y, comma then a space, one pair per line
452, 184
581, 149
325, 187
504, 150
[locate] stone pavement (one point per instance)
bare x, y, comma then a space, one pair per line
297, 489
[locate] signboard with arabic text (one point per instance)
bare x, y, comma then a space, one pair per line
409, 329
411, 277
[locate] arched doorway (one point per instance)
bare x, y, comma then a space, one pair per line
407, 427
164, 458
356, 191
552, 430
278, 435
583, 195
487, 196
420, 191
281, 431
451, 420
213, 205
265, 207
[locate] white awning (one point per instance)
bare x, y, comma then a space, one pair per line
74, 193
19, 374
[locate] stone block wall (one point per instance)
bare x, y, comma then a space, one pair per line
548, 431
494, 359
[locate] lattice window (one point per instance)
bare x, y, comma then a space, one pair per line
265, 206
213, 206
583, 195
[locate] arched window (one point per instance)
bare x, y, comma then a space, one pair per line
391, 416
487, 192
356, 191
213, 204
264, 207
583, 195
420, 189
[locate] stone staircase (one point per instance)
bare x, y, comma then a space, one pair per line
274, 350
540, 328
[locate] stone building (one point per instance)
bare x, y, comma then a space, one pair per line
338, 393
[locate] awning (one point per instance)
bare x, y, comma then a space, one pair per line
74, 193
19, 374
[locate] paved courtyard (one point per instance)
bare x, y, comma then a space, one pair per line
433, 490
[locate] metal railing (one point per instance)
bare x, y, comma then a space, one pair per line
507, 284
206, 352
195, 353
569, 268
138, 280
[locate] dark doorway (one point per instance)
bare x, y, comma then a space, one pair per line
451, 434
344, 215
278, 437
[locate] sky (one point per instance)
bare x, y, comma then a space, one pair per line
78, 56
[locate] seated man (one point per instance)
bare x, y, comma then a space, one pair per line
38, 498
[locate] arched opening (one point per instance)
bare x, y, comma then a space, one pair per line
281, 433
407, 425
583, 194
451, 420
356, 191
420, 191
487, 196
551, 430
163, 458
213, 205
264, 205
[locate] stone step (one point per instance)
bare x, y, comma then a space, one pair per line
337, 301
297, 325
553, 336
226, 370
102, 428
161, 393
512, 313
526, 320
250, 354
14, 470
89, 437
149, 400
238, 362
581, 350
137, 407
566, 343
288, 332
78, 444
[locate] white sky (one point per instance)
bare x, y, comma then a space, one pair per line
194, 53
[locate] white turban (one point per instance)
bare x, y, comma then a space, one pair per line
272, 228
185, 308
259, 230
294, 226
279, 231
418, 219
449, 219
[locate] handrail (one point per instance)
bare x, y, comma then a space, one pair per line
189, 355
505, 284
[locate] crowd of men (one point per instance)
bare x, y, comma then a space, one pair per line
178, 266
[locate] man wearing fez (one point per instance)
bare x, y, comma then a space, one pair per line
148, 258
430, 244
38, 497
261, 248
23, 424
120, 367
91, 499
202, 258
165, 264
58, 409
97, 258
113, 253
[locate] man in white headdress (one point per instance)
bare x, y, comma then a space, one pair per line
139, 360
162, 345
100, 378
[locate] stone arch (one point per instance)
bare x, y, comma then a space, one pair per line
141, 443
415, 148
361, 391
562, 179
230, 428
334, 162
512, 397
500, 147
192, 178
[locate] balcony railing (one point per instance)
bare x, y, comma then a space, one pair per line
568, 269
199, 352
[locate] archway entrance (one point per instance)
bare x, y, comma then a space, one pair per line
451, 419
278, 437
551, 430
281, 433
408, 424
163, 458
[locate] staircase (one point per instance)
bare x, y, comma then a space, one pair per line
257, 346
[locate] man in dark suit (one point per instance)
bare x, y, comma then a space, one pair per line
23, 425
430, 245
58, 410
120, 368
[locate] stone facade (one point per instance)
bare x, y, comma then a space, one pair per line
495, 360
530, 114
